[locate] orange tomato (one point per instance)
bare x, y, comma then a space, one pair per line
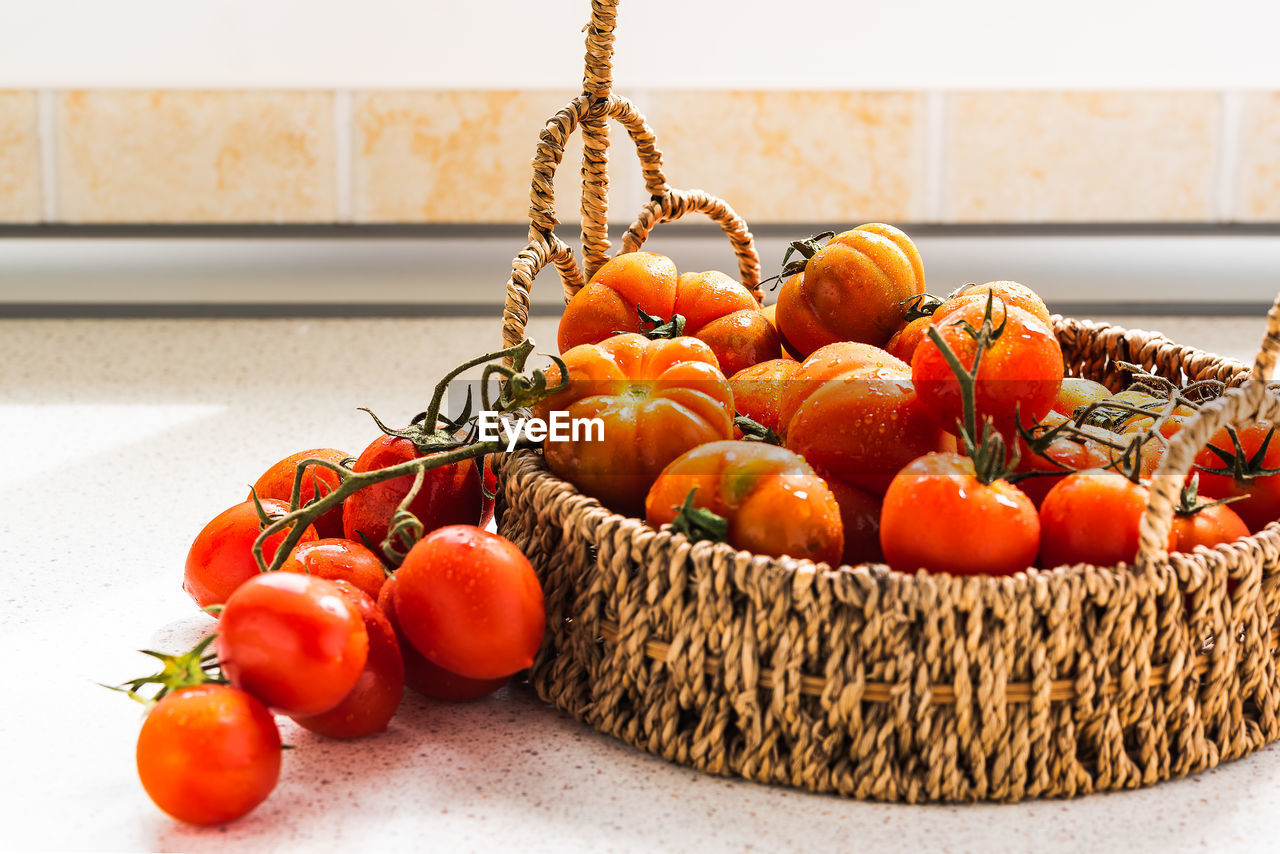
656, 400
771, 499
1010, 293
277, 482
1077, 392
851, 411
759, 389
904, 342
853, 289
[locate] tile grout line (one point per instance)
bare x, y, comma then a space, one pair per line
1230, 109
47, 134
342, 155
935, 154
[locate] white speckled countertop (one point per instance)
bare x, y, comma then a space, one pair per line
123, 437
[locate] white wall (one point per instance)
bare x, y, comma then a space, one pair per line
662, 43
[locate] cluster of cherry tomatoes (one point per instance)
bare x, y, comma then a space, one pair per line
333, 636
863, 420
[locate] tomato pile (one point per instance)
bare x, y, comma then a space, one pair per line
935, 434
338, 582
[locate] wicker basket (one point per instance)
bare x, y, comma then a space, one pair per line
867, 682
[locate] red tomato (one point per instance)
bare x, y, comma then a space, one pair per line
1092, 517
1261, 506
1209, 527
432, 680
469, 601
336, 560
221, 558
904, 342
860, 519
1021, 372
1010, 293
938, 516
277, 482
371, 704
293, 641
450, 495
208, 754
1060, 458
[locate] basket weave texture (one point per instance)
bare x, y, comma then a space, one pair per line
860, 680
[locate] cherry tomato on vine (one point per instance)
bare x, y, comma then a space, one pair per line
1209, 526
470, 602
337, 559
940, 517
1244, 471
1077, 392
293, 641
221, 558
208, 754
450, 494
371, 704
277, 482
432, 680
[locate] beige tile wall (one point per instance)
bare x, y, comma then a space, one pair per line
812, 157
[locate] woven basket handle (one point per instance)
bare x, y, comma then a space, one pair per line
1240, 406
590, 112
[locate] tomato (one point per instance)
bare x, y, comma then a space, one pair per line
1092, 517
656, 399
432, 680
1062, 456
470, 602
1209, 526
1261, 504
1020, 373
293, 641
853, 289
371, 704
1010, 293
724, 314
337, 559
860, 520
939, 517
770, 313
772, 501
758, 390
1077, 392
490, 488
612, 300
450, 494
208, 754
221, 558
852, 413
904, 342
277, 482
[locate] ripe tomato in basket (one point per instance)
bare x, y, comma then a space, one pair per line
758, 390
854, 288
1092, 517
656, 400
1018, 377
450, 495
939, 516
1246, 465
851, 411
716, 309
754, 496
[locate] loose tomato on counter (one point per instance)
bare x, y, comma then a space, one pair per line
338, 560
852, 413
277, 482
940, 516
754, 496
656, 399
716, 309
450, 495
293, 641
855, 288
208, 754
371, 703
221, 558
469, 601
424, 677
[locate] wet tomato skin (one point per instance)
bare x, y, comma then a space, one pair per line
277, 482
221, 558
208, 754
338, 559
